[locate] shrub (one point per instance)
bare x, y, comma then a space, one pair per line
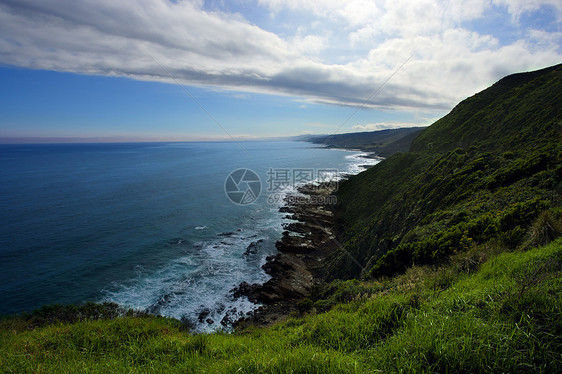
305, 305
546, 228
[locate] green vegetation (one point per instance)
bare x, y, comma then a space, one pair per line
482, 173
455, 249
483, 312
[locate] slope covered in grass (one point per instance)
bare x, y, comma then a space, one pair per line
483, 172
452, 241
473, 315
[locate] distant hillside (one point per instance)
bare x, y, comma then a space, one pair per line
383, 142
480, 174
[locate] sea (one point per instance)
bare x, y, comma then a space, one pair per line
168, 228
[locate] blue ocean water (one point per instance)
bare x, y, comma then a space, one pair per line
148, 226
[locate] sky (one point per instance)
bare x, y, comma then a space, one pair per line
150, 70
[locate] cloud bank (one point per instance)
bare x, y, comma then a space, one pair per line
332, 51
385, 125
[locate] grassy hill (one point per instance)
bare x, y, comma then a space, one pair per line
519, 109
460, 267
482, 173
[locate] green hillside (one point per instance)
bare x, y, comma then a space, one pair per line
480, 174
455, 249
519, 109
500, 315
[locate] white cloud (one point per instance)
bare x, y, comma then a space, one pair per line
360, 12
321, 8
166, 41
106, 36
517, 7
385, 125
545, 40
308, 44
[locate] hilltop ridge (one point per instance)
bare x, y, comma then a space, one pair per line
482, 172
519, 108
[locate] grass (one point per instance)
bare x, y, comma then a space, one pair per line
485, 171
468, 221
485, 311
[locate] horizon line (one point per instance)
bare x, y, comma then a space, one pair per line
101, 139
132, 139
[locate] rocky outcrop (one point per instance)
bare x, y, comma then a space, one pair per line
297, 267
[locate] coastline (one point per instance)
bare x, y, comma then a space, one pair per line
306, 241
367, 153
297, 266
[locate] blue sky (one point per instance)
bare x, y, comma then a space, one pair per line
203, 70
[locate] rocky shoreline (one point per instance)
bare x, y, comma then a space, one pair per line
306, 241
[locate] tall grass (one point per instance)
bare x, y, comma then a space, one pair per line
499, 315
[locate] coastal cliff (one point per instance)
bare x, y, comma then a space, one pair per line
446, 258
482, 173
479, 176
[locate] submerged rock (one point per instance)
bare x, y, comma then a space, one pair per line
254, 247
203, 314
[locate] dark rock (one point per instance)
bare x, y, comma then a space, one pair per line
297, 227
298, 265
230, 233
226, 320
203, 314
253, 247
295, 244
251, 291
286, 209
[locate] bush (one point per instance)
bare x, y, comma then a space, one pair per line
546, 228
305, 305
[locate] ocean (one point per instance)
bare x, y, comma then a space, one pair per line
163, 227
